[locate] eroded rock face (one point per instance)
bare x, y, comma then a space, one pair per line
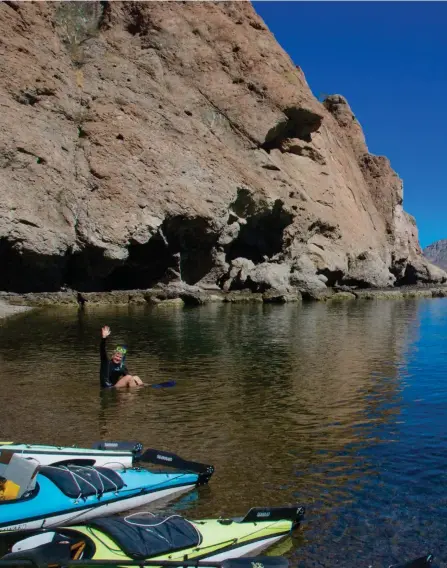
177, 143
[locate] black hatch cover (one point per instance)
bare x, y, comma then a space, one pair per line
152, 537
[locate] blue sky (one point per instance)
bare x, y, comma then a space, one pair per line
389, 59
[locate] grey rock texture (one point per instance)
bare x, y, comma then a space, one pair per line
437, 253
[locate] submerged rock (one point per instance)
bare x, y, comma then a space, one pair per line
280, 297
175, 302
342, 296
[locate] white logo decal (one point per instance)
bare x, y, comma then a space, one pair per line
165, 458
13, 528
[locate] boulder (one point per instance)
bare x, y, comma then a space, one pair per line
366, 270
269, 275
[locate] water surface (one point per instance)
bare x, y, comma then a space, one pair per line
340, 408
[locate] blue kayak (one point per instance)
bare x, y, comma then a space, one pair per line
69, 494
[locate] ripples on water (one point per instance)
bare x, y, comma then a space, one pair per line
340, 408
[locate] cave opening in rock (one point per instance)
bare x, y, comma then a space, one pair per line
334, 277
26, 271
262, 235
193, 239
181, 249
409, 277
147, 264
85, 270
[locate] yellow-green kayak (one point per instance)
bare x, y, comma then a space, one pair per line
150, 537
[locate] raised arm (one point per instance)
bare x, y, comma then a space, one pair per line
105, 332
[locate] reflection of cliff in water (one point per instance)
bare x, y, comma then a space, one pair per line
269, 394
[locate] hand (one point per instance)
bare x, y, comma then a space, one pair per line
105, 331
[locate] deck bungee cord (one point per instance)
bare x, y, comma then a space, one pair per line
75, 476
100, 475
163, 521
108, 464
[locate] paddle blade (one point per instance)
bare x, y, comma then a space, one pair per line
422, 562
164, 385
292, 513
256, 562
160, 457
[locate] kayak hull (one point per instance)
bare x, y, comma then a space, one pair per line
252, 549
97, 511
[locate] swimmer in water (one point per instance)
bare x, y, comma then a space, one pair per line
113, 372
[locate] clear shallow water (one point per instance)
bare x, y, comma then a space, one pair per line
338, 408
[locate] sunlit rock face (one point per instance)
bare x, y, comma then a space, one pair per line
167, 142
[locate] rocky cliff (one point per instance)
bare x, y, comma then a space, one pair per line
437, 253
155, 142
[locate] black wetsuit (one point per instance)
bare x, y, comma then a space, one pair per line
110, 373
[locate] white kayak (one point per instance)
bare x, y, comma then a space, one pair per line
114, 455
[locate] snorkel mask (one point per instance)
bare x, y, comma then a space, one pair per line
122, 350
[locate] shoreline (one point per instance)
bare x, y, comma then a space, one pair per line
183, 294
7, 310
